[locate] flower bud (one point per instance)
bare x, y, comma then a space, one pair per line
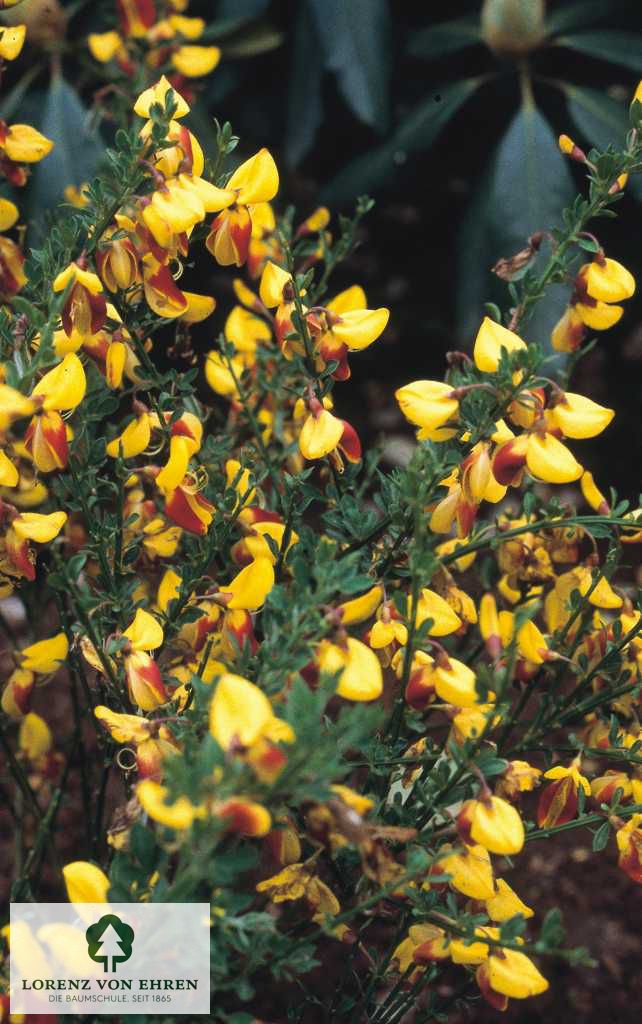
513, 27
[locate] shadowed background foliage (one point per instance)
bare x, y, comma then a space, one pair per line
450, 124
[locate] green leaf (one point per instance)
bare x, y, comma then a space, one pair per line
241, 8
579, 15
13, 100
601, 121
418, 131
525, 188
355, 38
601, 837
305, 100
77, 149
623, 48
255, 39
143, 846
444, 38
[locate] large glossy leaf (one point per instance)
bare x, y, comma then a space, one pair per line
77, 150
305, 101
418, 131
14, 100
601, 121
447, 37
526, 187
241, 8
623, 48
356, 41
578, 15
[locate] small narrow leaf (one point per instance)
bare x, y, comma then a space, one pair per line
601, 837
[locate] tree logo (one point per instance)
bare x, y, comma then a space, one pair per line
109, 939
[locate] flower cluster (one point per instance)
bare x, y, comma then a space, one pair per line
20, 146
165, 40
325, 695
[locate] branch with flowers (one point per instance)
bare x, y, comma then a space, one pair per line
318, 695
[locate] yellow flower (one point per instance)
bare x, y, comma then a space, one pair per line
23, 144
255, 181
220, 377
133, 440
569, 331
455, 684
464, 952
145, 633
178, 815
246, 817
274, 281
579, 417
12, 41
239, 713
608, 281
34, 737
427, 403
550, 460
444, 620
592, 495
193, 61
123, 728
558, 801
511, 974
13, 406
471, 872
157, 94
64, 387
104, 46
505, 903
45, 656
16, 695
39, 528
425, 943
361, 677
361, 608
491, 340
599, 285
357, 328
85, 882
289, 884
250, 586
320, 434
359, 803
190, 28
493, 823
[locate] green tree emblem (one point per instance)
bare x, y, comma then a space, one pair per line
109, 938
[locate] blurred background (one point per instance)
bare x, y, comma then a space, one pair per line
448, 116
450, 124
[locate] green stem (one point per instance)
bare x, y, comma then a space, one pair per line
584, 822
